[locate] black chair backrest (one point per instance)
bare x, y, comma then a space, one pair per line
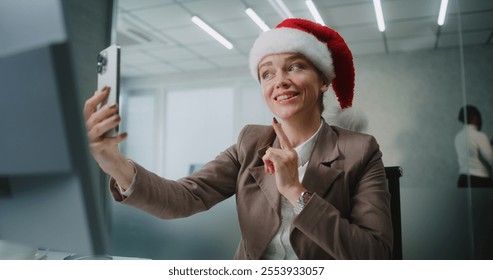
393, 174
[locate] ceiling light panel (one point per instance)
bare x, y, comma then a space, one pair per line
442, 12
379, 15
212, 32
256, 19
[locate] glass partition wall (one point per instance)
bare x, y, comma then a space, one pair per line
411, 94
476, 164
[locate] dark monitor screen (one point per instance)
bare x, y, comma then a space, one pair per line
48, 195
34, 134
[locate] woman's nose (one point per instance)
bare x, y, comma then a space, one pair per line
282, 81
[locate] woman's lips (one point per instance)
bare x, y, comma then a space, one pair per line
286, 96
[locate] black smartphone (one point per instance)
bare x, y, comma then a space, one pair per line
108, 66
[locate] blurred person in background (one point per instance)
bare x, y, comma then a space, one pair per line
474, 152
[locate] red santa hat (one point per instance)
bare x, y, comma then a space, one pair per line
323, 46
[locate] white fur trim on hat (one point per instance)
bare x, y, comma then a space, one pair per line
290, 40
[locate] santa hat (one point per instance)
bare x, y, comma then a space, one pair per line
323, 46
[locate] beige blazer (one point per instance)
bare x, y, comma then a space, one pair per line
348, 217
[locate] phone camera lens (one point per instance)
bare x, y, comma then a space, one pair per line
101, 63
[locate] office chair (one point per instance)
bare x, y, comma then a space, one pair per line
393, 173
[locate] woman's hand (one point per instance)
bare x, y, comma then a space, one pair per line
105, 149
283, 163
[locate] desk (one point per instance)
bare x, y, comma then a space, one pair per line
58, 255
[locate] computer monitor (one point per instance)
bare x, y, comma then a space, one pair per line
50, 197
49, 194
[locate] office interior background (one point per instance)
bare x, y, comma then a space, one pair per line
185, 97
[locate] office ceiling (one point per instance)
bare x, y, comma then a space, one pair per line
158, 37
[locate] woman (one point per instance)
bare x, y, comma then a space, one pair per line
304, 189
474, 152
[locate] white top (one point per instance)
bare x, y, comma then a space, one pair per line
280, 247
474, 152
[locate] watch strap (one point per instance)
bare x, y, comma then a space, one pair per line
302, 201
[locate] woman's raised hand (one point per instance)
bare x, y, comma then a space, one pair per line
283, 163
105, 149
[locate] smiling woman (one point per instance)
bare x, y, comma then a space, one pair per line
304, 189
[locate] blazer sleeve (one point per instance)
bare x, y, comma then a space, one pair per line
169, 199
366, 233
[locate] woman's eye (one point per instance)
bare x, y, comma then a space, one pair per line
266, 75
295, 67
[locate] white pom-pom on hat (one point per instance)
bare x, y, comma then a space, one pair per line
353, 118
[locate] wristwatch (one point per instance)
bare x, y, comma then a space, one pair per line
302, 201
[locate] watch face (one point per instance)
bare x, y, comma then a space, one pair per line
306, 197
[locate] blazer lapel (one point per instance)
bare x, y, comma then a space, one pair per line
267, 182
320, 174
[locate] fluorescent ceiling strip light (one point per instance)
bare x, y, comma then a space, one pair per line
251, 13
314, 11
200, 23
379, 14
443, 12
284, 8
281, 8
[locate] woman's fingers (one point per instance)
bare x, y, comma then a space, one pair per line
269, 167
96, 131
277, 159
104, 113
283, 139
98, 121
92, 103
283, 164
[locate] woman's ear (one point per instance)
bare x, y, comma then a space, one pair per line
325, 86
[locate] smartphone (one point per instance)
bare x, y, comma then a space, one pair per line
108, 66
